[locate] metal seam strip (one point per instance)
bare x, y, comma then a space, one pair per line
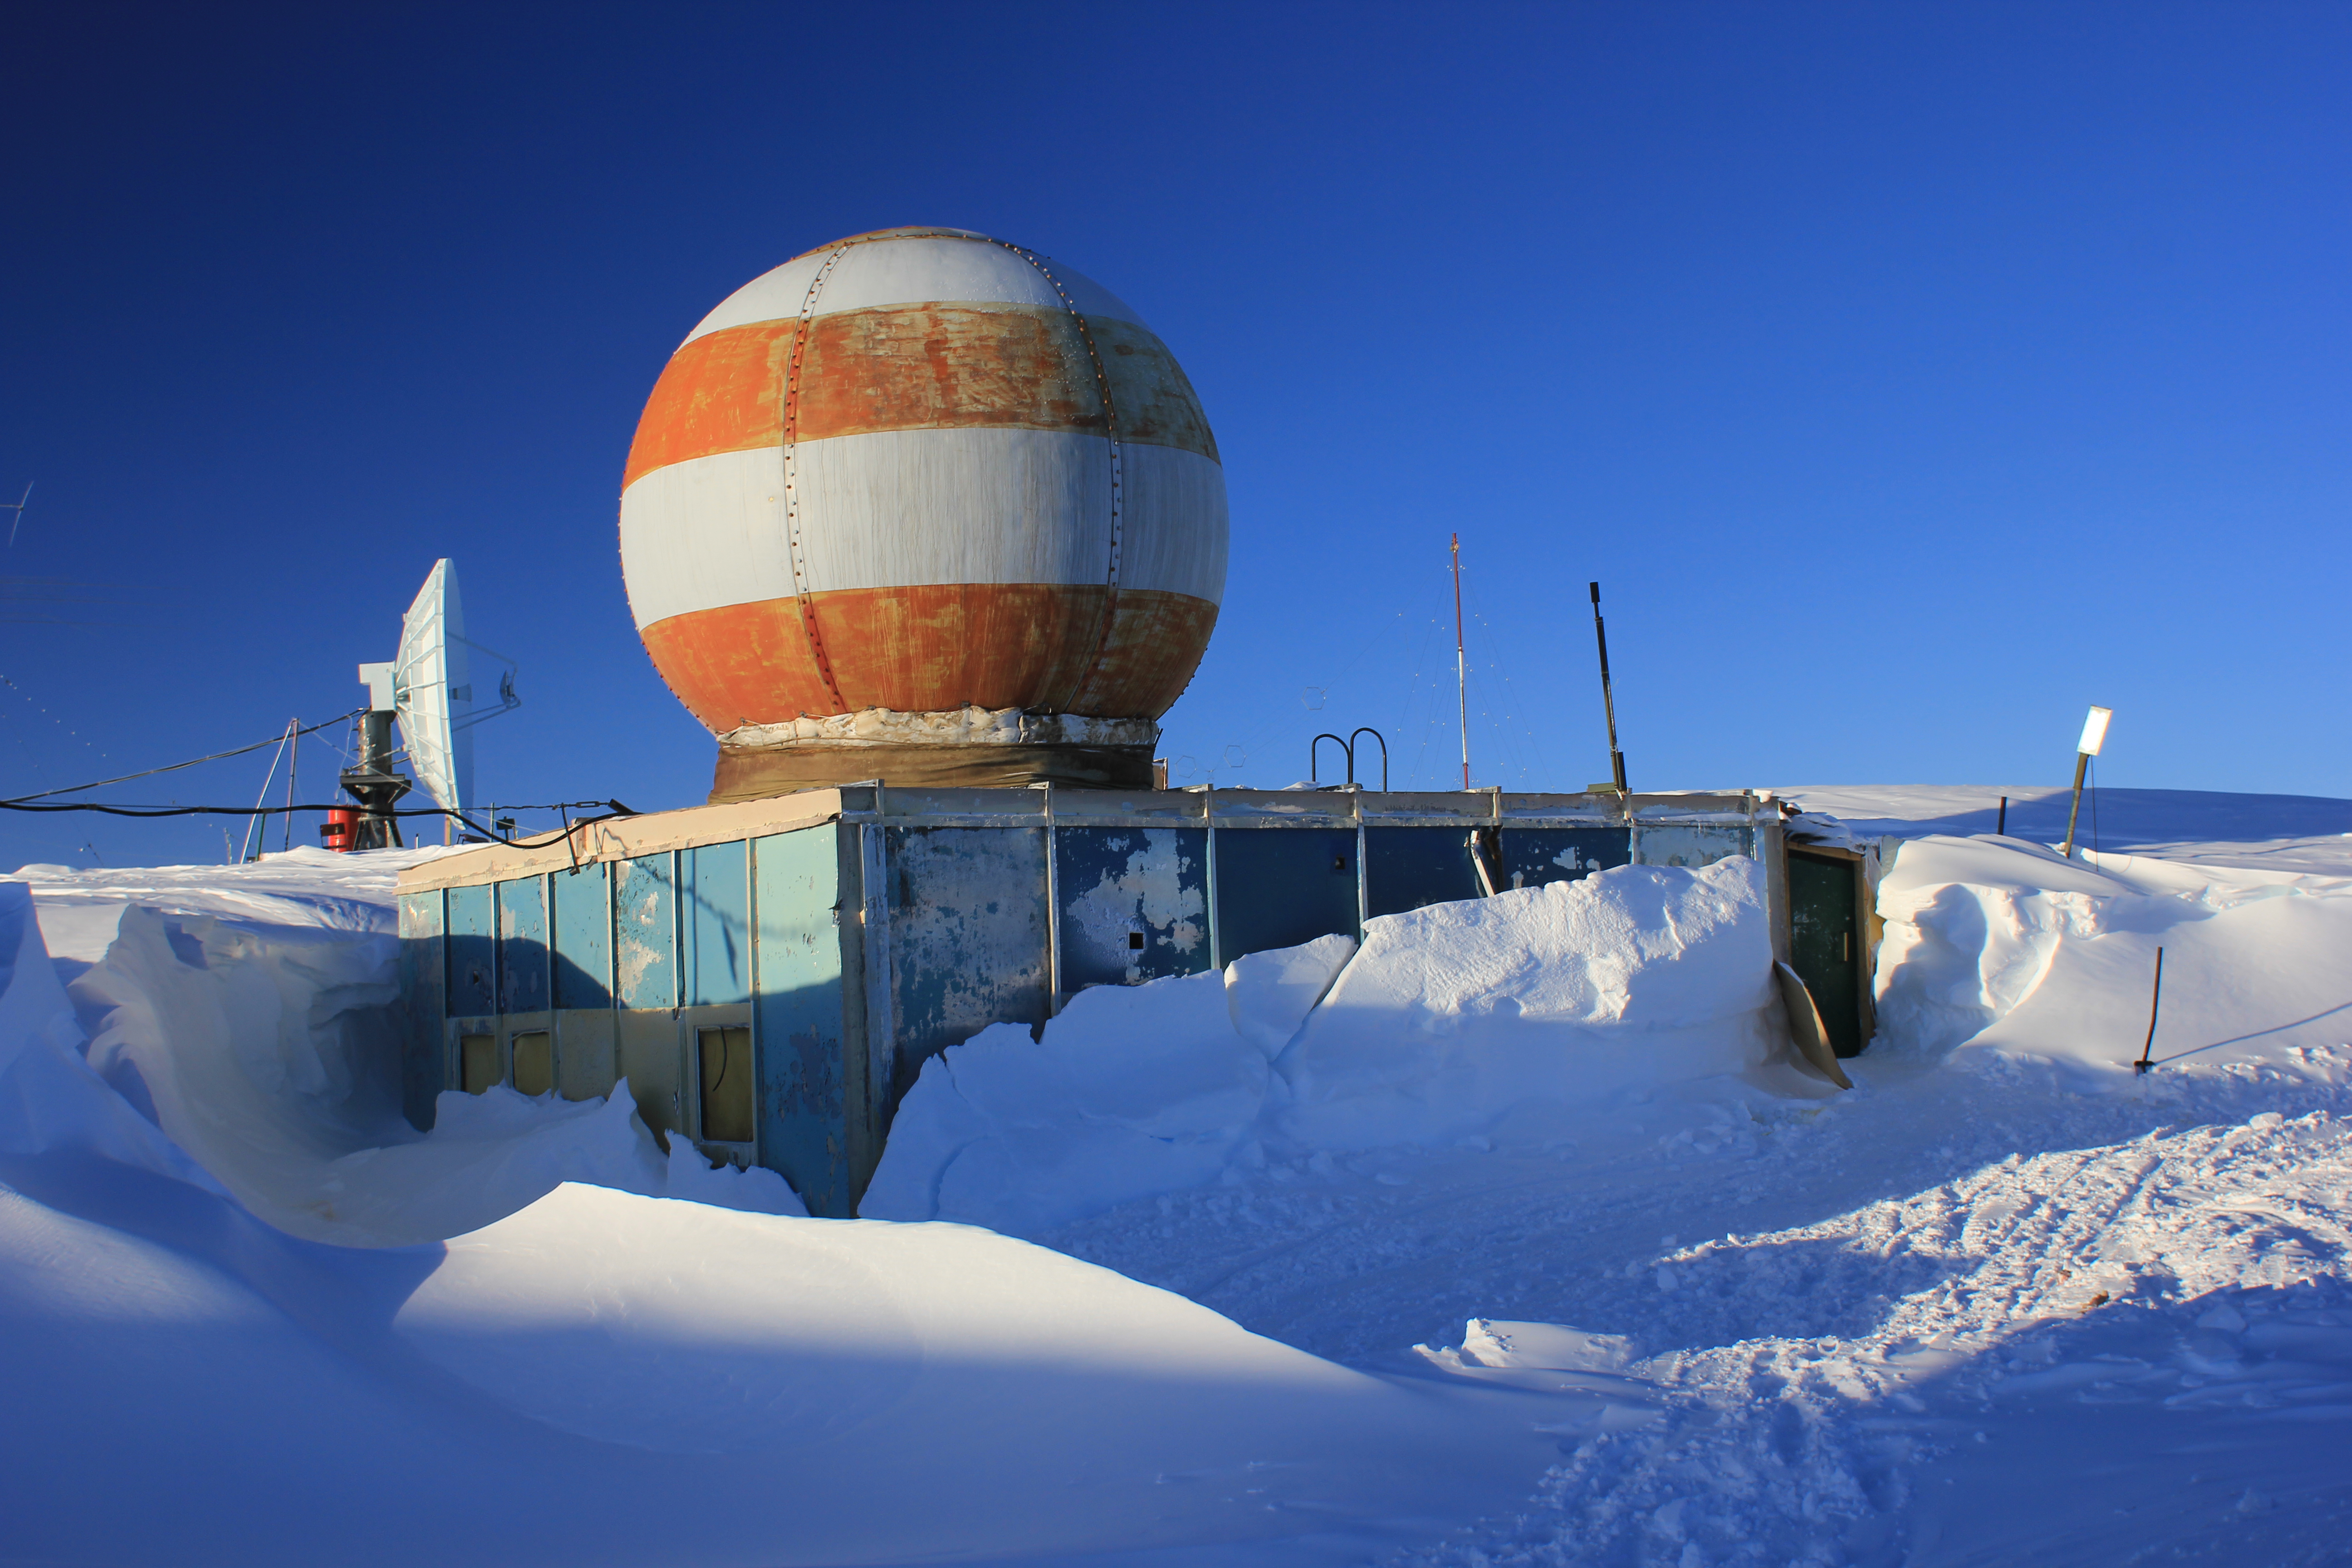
1117, 520
791, 473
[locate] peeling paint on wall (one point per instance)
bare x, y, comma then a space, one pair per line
1135, 904
644, 933
967, 937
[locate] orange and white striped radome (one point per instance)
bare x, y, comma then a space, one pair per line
922, 470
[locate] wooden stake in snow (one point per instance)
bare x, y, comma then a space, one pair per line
2155, 996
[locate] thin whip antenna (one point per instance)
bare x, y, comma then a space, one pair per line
293, 762
1460, 666
1608, 699
256, 821
18, 508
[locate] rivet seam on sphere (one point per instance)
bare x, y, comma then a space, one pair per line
792, 412
1110, 431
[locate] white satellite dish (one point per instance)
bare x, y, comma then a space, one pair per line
433, 691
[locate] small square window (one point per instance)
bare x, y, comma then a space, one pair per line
726, 1084
534, 1063
478, 1062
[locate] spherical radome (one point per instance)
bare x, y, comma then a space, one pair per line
922, 470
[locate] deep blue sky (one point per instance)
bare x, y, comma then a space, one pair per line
1911, 376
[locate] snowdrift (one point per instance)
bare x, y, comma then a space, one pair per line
1518, 1018
594, 1345
1732, 1312
1132, 1090
816, 1391
1523, 1016
2000, 951
267, 1052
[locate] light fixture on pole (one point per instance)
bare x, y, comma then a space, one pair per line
2094, 735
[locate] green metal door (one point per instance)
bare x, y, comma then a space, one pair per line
1825, 946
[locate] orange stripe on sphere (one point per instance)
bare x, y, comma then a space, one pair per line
928, 649
916, 367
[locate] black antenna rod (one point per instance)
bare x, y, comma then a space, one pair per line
1608, 700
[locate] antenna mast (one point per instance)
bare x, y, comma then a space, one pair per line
1608, 701
1460, 666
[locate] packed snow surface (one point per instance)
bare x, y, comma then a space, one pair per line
1512, 1238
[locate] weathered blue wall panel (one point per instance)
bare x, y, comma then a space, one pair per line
1410, 868
523, 945
1277, 886
424, 971
473, 952
1694, 844
583, 936
1534, 856
645, 932
967, 937
718, 924
796, 1019
1135, 903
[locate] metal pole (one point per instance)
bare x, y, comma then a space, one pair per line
1608, 698
2082, 760
1053, 914
1209, 849
1461, 665
2000, 822
292, 764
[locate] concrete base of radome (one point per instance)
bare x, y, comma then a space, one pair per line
756, 774
974, 748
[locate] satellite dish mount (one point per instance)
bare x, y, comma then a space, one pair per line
428, 690
373, 782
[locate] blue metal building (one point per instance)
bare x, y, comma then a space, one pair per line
771, 975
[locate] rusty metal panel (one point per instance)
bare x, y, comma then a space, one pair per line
807, 1077
582, 913
931, 365
1533, 856
932, 646
715, 920
1691, 844
424, 989
1134, 903
967, 937
645, 932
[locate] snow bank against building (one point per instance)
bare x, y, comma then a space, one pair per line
1132, 1090
1521, 1017
248, 1015
1516, 1017
2016, 958
599, 1376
